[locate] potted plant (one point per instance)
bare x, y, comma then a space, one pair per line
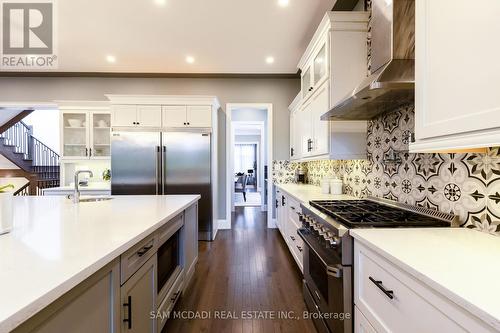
6, 208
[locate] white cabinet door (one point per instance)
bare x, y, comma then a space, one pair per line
149, 115
306, 81
456, 72
100, 135
293, 133
75, 134
123, 115
320, 105
174, 116
138, 296
305, 134
199, 116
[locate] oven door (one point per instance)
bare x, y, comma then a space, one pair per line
327, 286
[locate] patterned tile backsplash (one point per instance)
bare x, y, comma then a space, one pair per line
467, 185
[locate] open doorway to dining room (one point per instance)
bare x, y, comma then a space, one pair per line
247, 165
249, 151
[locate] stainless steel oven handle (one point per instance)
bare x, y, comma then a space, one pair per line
333, 271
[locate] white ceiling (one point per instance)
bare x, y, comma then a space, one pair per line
224, 36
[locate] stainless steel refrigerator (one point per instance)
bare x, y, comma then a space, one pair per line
165, 163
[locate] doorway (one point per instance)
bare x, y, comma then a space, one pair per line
248, 169
249, 158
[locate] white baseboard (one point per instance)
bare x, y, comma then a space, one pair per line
223, 224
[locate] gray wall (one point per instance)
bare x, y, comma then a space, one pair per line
279, 92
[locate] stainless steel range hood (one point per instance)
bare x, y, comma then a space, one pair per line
392, 82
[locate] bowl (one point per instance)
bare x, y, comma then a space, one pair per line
74, 122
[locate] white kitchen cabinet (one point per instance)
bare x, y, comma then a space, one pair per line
199, 115
196, 116
139, 116
191, 241
174, 115
138, 298
149, 116
295, 149
391, 300
92, 306
457, 104
333, 64
287, 221
314, 132
85, 131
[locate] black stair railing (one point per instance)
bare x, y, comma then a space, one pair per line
20, 137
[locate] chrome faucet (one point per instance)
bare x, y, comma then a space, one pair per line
76, 193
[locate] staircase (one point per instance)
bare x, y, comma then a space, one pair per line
39, 163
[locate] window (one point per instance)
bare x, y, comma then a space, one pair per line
245, 157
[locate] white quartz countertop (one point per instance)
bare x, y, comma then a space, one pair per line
459, 263
55, 245
305, 193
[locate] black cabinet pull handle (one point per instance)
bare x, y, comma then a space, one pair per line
277, 203
291, 151
86, 152
282, 200
388, 293
129, 312
293, 238
293, 208
173, 299
90, 151
300, 248
185, 124
144, 250
189, 124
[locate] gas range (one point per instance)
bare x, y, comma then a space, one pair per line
328, 250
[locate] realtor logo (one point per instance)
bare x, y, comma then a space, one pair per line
28, 34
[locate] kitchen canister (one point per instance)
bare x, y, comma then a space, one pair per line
325, 185
336, 186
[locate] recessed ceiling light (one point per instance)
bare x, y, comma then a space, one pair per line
189, 59
160, 2
111, 58
270, 60
283, 3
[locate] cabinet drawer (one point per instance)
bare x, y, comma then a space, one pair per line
134, 258
393, 301
170, 228
168, 303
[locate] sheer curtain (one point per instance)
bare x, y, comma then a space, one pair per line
245, 155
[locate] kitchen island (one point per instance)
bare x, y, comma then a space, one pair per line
56, 246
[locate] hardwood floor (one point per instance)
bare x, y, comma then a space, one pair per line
247, 268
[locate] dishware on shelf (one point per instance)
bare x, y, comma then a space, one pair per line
102, 123
74, 122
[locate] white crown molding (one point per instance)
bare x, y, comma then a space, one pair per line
165, 100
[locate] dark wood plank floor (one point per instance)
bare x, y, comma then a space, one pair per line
247, 268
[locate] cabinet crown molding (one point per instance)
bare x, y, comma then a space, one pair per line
165, 100
356, 20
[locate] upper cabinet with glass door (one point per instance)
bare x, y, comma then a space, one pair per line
315, 71
85, 130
